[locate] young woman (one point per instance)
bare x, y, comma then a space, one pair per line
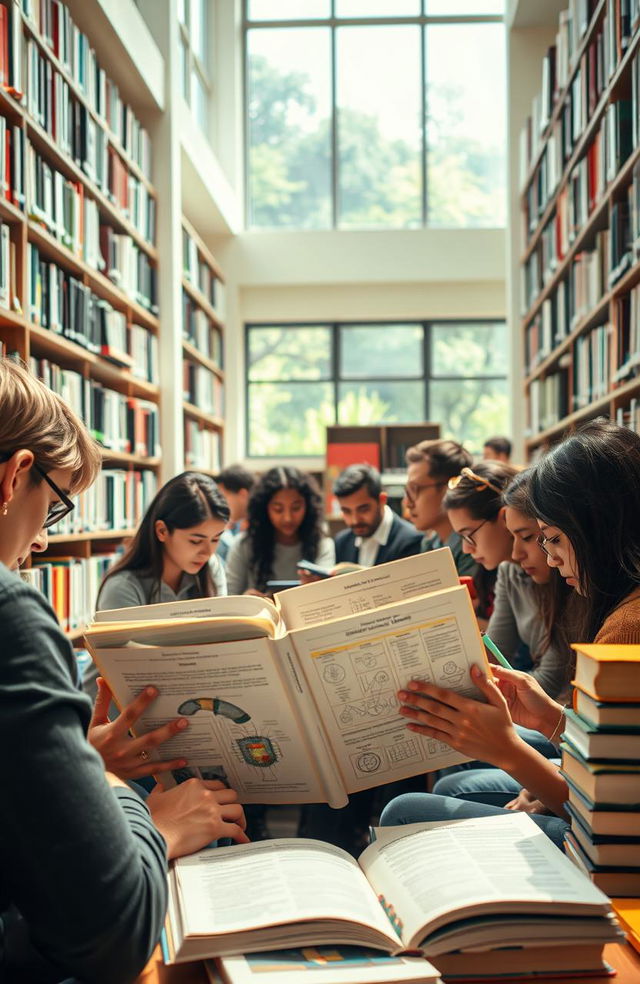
593, 539
82, 870
285, 527
172, 556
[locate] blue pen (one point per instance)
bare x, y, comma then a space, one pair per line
493, 649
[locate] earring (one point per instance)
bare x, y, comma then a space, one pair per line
5, 509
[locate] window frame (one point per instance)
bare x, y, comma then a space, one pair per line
333, 22
195, 65
335, 380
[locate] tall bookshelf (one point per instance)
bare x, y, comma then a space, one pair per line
202, 288
580, 219
78, 268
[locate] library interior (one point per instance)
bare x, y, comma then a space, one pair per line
319, 491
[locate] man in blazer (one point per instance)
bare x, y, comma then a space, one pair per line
376, 534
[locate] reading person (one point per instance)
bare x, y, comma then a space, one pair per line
83, 871
593, 540
375, 533
236, 484
285, 527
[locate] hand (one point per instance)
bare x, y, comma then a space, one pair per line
528, 703
526, 802
306, 577
480, 731
256, 593
191, 815
122, 754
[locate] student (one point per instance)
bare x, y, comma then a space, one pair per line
173, 554
236, 485
497, 449
530, 599
375, 534
593, 540
285, 527
430, 466
83, 868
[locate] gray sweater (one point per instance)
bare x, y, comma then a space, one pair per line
516, 618
240, 576
82, 870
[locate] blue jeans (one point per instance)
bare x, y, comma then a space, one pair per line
422, 807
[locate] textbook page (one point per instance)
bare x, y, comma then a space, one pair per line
220, 606
272, 883
355, 666
328, 964
242, 727
371, 587
502, 864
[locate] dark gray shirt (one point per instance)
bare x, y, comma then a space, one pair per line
82, 868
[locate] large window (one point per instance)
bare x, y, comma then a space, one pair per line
375, 113
194, 52
302, 377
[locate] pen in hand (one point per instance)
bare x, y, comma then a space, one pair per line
493, 649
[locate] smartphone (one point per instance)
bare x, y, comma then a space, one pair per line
306, 565
471, 588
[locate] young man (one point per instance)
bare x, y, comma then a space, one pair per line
236, 484
497, 449
375, 535
430, 466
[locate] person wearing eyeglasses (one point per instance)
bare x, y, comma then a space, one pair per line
584, 494
83, 858
430, 465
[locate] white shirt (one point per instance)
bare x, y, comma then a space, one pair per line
368, 545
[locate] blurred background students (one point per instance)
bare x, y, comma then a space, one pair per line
236, 484
497, 449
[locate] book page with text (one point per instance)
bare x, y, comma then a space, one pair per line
222, 606
242, 728
355, 666
503, 863
229, 889
372, 587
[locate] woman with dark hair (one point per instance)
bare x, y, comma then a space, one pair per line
285, 527
584, 494
172, 555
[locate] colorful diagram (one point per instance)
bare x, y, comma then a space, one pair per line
217, 706
258, 751
255, 750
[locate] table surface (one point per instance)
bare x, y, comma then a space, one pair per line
624, 959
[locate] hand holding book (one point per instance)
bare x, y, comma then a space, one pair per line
528, 703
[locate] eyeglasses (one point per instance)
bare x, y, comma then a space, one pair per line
57, 510
413, 489
541, 539
482, 483
468, 537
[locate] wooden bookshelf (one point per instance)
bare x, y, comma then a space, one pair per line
23, 323
580, 258
202, 287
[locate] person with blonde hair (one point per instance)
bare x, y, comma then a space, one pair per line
83, 869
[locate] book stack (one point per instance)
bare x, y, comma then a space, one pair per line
600, 761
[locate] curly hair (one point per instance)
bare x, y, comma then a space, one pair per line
261, 534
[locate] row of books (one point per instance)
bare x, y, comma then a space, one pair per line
76, 132
592, 366
549, 399
117, 500
629, 416
202, 447
118, 423
628, 335
12, 153
199, 273
202, 388
7, 269
600, 753
70, 585
592, 74
53, 23
63, 304
199, 329
129, 268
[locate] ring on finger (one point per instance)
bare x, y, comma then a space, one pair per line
144, 755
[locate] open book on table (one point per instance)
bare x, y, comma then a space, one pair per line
440, 889
307, 712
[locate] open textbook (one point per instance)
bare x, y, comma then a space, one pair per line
443, 890
308, 711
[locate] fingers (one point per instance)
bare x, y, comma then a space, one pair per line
491, 691
101, 706
234, 832
426, 712
512, 804
158, 736
446, 697
136, 708
515, 677
139, 768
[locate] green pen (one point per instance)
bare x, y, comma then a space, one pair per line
493, 649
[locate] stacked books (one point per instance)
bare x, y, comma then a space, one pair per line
600, 761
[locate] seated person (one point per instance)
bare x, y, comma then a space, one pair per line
236, 484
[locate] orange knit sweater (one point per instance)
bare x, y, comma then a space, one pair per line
623, 624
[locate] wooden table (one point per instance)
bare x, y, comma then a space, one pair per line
624, 959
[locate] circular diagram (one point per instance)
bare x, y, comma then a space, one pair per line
333, 673
369, 762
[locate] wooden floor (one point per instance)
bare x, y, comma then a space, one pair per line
624, 959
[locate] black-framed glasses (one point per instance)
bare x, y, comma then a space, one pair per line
541, 540
468, 537
57, 510
413, 489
